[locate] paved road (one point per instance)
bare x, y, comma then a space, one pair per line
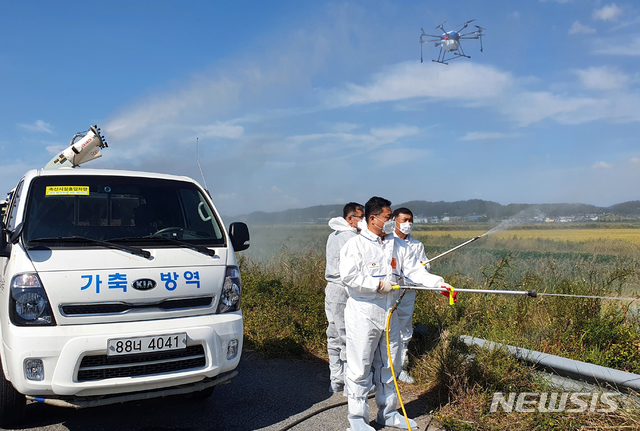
266, 395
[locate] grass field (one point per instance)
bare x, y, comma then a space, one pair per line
632, 236
283, 306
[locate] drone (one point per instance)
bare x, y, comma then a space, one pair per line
450, 42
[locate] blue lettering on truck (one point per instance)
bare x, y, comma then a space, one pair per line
119, 281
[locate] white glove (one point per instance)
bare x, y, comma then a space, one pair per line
385, 286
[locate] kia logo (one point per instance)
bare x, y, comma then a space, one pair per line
144, 284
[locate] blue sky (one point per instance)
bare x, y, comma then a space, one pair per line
300, 103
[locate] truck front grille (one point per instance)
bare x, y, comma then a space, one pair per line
102, 367
103, 308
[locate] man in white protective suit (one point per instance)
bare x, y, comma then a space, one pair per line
344, 228
370, 265
403, 218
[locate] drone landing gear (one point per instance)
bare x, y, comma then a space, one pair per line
441, 55
461, 52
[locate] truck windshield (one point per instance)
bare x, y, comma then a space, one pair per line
112, 208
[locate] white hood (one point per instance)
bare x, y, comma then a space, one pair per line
340, 224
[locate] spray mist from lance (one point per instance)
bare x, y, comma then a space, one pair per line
527, 215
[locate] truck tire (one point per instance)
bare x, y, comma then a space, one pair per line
12, 403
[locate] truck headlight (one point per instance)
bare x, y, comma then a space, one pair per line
230, 295
29, 302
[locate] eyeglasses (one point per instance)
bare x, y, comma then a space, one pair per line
358, 217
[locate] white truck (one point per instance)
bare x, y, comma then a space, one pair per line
115, 286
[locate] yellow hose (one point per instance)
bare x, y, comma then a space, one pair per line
393, 373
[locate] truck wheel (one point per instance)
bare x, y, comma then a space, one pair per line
201, 395
12, 403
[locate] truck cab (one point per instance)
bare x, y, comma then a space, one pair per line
115, 286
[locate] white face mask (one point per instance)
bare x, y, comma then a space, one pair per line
362, 224
405, 227
388, 226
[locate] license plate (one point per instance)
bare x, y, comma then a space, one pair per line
156, 343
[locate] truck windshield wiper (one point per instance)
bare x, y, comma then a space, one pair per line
200, 248
132, 250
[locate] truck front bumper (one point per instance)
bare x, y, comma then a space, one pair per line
62, 348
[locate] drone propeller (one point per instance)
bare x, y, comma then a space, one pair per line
473, 35
440, 26
428, 35
480, 29
463, 26
466, 23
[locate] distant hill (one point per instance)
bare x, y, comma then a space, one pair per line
472, 207
301, 215
626, 208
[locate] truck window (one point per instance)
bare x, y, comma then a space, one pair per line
114, 207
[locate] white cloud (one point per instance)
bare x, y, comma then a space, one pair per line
346, 144
627, 23
55, 149
478, 136
607, 13
514, 15
629, 46
462, 81
602, 165
635, 160
400, 156
473, 85
38, 126
220, 131
602, 78
344, 127
578, 28
392, 134
530, 107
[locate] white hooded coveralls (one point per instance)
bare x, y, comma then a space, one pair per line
364, 261
405, 309
335, 300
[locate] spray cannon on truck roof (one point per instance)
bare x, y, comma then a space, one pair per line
118, 286
84, 150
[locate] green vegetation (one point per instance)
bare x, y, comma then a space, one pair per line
283, 305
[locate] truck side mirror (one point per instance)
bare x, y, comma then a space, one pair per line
5, 246
239, 233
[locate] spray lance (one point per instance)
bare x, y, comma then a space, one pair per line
455, 248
